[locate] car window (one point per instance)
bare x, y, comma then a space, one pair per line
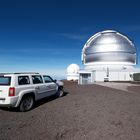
23, 80
5, 80
47, 79
37, 79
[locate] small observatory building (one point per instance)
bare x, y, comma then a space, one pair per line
72, 72
108, 56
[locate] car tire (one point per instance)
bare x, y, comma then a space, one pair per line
26, 103
60, 92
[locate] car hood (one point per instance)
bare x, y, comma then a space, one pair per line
60, 83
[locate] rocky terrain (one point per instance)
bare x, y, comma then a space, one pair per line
87, 112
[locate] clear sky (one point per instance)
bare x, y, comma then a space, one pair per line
48, 35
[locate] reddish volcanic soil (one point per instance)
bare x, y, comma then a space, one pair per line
89, 112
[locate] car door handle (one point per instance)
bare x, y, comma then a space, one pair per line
38, 88
49, 86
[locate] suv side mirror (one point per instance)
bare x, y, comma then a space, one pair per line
55, 81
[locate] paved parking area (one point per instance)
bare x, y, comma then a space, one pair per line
119, 85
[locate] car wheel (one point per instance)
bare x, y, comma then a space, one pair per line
60, 92
26, 103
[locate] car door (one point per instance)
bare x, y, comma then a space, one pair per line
51, 86
39, 86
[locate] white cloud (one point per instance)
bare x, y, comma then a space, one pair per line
73, 36
56, 73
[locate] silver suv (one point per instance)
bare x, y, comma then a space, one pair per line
23, 89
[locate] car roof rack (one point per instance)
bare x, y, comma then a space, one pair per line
20, 73
26, 73
4, 73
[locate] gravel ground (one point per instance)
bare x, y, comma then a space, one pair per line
90, 112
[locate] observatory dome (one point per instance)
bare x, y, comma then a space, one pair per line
72, 69
72, 72
109, 47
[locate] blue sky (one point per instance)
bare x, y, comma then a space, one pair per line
46, 36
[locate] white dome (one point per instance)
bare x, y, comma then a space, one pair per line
73, 69
109, 47
72, 72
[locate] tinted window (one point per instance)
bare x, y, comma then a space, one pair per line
5, 80
23, 80
48, 79
37, 79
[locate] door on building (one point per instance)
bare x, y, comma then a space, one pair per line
85, 78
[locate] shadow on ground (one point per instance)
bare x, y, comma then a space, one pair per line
37, 104
48, 99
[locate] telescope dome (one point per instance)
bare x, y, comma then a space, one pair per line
109, 47
72, 72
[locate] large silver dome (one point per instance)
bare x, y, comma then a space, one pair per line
109, 47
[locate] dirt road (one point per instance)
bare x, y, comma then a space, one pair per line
90, 112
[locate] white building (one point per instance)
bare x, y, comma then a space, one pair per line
72, 72
108, 56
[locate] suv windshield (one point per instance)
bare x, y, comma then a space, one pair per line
5, 80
